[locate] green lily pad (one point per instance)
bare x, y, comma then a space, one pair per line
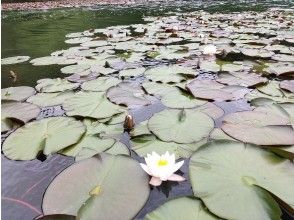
280, 68
45, 135
19, 93
14, 60
212, 90
94, 43
228, 176
146, 144
116, 149
22, 112
187, 125
132, 72
258, 53
241, 79
209, 65
128, 94
75, 69
78, 40
51, 60
100, 84
175, 209
166, 74
283, 57
55, 85
178, 98
262, 128
108, 181
98, 137
50, 99
90, 104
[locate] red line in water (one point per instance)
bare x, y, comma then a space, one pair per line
32, 187
22, 203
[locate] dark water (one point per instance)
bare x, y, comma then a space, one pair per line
39, 33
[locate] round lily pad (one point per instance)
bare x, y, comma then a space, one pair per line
108, 181
262, 128
46, 135
241, 79
98, 137
187, 125
75, 69
90, 104
176, 209
147, 143
14, 60
50, 99
94, 43
166, 74
78, 40
132, 72
19, 93
281, 68
101, 84
50, 60
212, 90
128, 94
228, 176
23, 112
55, 85
116, 149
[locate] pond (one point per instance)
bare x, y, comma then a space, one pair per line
210, 81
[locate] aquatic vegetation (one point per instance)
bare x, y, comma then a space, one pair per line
177, 80
162, 168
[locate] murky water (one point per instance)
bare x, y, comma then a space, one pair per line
38, 34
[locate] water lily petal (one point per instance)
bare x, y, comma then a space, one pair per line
177, 166
145, 168
155, 181
176, 178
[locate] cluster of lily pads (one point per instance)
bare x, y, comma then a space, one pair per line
238, 170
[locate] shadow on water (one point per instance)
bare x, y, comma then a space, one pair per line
38, 34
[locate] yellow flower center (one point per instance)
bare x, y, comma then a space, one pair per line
162, 162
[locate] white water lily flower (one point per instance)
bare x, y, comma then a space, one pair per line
162, 168
209, 49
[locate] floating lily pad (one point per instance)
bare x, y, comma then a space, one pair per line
128, 94
50, 99
178, 98
116, 149
94, 43
132, 72
50, 60
22, 112
46, 135
166, 74
209, 65
241, 79
98, 137
187, 125
212, 90
55, 85
262, 128
19, 93
75, 69
283, 57
90, 104
287, 85
223, 172
257, 53
14, 60
108, 181
175, 209
100, 84
280, 68
78, 40
146, 144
